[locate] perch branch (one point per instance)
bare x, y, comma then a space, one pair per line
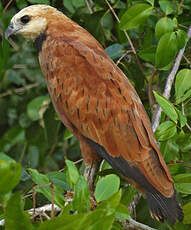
130, 223
169, 82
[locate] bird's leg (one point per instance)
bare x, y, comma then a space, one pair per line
92, 161
90, 173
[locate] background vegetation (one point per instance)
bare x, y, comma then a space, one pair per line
36, 150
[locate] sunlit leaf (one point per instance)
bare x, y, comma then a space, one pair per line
106, 187
15, 217
81, 200
44, 187
164, 25
135, 16
183, 82
73, 172
187, 213
33, 108
166, 6
166, 106
10, 174
166, 49
165, 131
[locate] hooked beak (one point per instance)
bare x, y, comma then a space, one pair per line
10, 30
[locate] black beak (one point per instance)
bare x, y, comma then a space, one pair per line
10, 30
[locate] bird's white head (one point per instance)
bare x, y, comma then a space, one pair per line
30, 21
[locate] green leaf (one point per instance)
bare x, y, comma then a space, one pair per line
98, 220
122, 212
12, 137
21, 4
167, 45
184, 141
15, 217
165, 131
150, 1
115, 51
78, 3
148, 54
166, 106
187, 213
183, 187
69, 6
181, 38
184, 98
34, 107
6, 158
73, 172
43, 181
60, 180
182, 83
166, 6
10, 174
135, 16
164, 25
176, 168
106, 187
182, 118
117, 226
183, 178
170, 149
111, 204
81, 200
63, 222
33, 156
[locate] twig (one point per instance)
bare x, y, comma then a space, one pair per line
187, 60
52, 194
129, 40
169, 82
19, 90
150, 92
6, 7
34, 202
125, 54
88, 6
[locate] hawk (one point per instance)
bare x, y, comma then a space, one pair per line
97, 103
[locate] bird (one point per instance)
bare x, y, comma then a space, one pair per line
98, 104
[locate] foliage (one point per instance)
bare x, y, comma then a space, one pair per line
34, 144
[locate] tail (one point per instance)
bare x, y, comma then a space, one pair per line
162, 208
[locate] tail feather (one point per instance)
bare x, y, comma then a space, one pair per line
162, 208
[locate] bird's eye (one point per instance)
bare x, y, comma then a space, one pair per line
25, 19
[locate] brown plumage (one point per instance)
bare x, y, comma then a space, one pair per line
98, 104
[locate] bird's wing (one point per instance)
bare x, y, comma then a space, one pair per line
97, 98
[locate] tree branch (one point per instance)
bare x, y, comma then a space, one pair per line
88, 6
169, 82
19, 90
130, 223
